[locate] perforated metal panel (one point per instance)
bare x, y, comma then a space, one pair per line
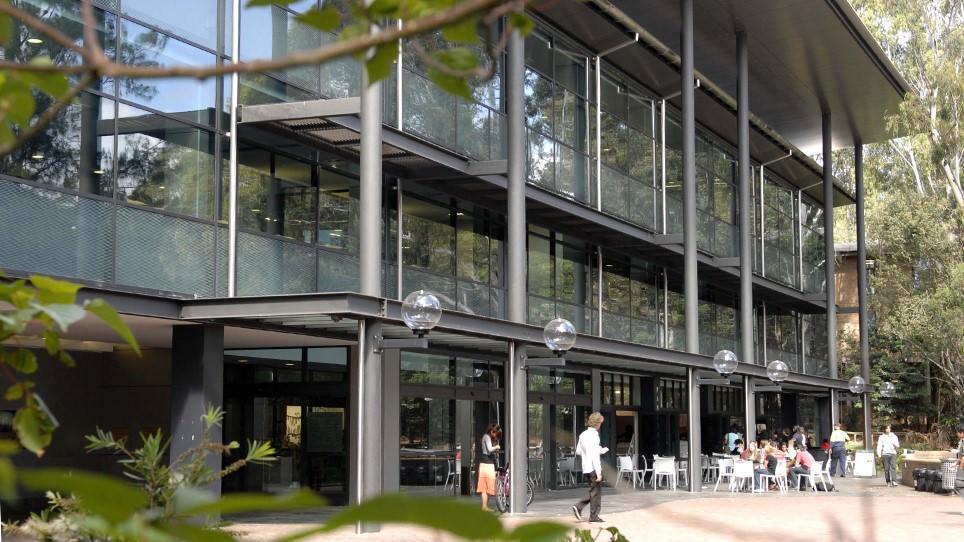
54, 233
161, 252
337, 272
272, 266
222, 263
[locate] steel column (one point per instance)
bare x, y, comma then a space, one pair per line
694, 466
370, 188
517, 419
516, 398
830, 261
746, 201
233, 153
749, 408
862, 289
690, 282
365, 412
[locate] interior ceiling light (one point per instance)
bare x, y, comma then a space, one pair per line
34, 41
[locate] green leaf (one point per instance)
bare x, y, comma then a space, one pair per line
54, 291
6, 133
326, 19
54, 84
99, 494
8, 478
458, 58
63, 314
453, 85
239, 503
461, 519
379, 66
464, 31
539, 531
22, 360
34, 428
51, 341
8, 446
16, 391
105, 312
20, 103
6, 28
66, 358
383, 8
521, 23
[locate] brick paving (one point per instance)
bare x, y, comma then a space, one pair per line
863, 510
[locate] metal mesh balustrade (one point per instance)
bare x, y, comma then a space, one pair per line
221, 266
272, 266
337, 272
160, 252
55, 233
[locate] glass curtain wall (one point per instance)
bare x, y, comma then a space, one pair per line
557, 116
129, 170
780, 219
783, 337
559, 280
446, 404
560, 401
628, 128
454, 250
475, 129
718, 322
814, 277
631, 299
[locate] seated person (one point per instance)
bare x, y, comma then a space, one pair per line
738, 448
802, 463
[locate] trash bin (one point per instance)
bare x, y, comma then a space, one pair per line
949, 472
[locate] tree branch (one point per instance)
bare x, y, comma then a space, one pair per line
48, 115
90, 35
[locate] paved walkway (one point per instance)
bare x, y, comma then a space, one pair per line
863, 510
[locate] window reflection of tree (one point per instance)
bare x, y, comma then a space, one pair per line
76, 150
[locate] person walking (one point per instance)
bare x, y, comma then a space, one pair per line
729, 440
589, 451
887, 445
489, 448
838, 450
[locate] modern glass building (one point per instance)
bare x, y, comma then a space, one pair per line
636, 167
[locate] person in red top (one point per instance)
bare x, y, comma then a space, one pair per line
802, 463
825, 445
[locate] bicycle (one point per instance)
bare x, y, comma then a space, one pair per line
502, 489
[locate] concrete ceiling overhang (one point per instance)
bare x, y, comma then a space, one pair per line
805, 56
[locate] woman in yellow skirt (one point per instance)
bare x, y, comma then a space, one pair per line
490, 446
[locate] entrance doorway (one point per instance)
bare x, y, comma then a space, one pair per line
295, 399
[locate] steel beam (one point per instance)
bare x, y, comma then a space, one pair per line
830, 262
862, 288
370, 188
365, 412
516, 410
300, 110
690, 280
749, 408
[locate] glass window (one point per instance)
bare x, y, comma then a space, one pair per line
279, 203
428, 237
75, 151
64, 15
183, 97
195, 20
164, 164
337, 211
419, 368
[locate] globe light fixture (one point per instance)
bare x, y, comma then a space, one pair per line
888, 389
559, 336
856, 385
777, 371
421, 311
725, 362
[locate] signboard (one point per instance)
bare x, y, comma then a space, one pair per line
864, 464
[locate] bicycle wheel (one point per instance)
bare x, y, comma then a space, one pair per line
530, 492
502, 495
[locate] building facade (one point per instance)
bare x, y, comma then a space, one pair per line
583, 181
